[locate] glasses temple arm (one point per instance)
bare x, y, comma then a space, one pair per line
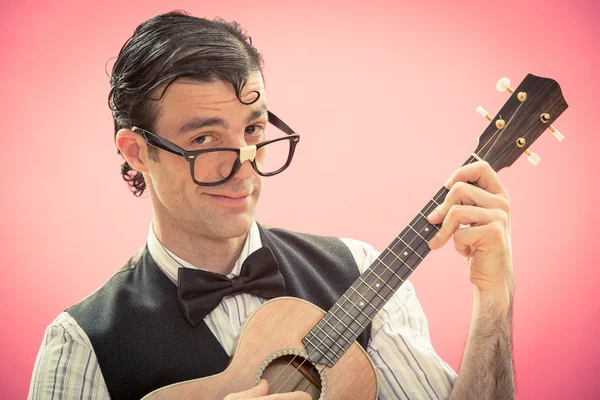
273, 119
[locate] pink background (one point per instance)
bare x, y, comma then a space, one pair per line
376, 89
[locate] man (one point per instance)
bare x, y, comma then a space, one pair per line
183, 87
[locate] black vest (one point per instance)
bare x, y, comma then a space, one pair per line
143, 341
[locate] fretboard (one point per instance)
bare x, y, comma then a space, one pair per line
353, 312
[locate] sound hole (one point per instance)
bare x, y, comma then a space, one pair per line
290, 373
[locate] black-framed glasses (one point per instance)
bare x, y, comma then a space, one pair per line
212, 167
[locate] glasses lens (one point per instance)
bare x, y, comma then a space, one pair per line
214, 166
273, 156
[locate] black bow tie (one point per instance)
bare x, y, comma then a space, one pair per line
201, 291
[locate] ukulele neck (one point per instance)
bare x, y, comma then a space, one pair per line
357, 307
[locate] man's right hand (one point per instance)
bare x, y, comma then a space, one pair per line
261, 391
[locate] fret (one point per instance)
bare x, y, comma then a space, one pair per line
419, 248
348, 334
354, 319
336, 331
410, 226
332, 342
387, 266
372, 272
366, 301
424, 216
400, 259
317, 349
346, 326
406, 244
370, 288
355, 306
371, 281
415, 238
325, 345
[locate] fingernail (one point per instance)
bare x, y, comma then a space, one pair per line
432, 215
447, 184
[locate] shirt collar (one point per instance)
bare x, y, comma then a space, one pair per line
170, 263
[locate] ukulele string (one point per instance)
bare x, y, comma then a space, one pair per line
469, 161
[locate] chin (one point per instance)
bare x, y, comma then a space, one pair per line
224, 221
231, 226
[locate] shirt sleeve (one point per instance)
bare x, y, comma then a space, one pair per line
66, 367
400, 347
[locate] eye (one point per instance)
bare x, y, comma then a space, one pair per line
254, 130
204, 139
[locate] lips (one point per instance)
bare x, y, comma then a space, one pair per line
240, 201
232, 196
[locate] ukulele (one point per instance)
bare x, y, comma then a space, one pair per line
297, 346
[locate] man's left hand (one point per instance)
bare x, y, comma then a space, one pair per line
479, 218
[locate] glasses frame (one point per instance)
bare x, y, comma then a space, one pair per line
190, 155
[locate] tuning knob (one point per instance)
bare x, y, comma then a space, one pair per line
503, 85
484, 113
533, 158
556, 133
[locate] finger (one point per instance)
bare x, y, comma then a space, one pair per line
480, 173
467, 194
479, 235
463, 249
261, 389
288, 396
462, 215
258, 391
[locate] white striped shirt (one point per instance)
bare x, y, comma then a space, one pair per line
400, 348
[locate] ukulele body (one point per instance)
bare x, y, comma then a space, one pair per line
269, 346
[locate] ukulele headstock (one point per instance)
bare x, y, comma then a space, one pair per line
531, 109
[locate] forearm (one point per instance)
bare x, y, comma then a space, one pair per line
486, 371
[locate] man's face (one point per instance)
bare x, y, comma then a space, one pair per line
199, 116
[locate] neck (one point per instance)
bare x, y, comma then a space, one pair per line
213, 254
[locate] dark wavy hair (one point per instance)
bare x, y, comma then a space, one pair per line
168, 47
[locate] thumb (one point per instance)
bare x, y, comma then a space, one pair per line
261, 389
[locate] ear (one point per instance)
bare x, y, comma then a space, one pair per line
134, 149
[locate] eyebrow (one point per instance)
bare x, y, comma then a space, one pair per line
199, 122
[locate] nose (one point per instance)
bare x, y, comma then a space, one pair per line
245, 172
247, 155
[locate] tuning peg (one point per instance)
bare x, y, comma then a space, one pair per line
556, 133
533, 158
484, 113
503, 85
545, 118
